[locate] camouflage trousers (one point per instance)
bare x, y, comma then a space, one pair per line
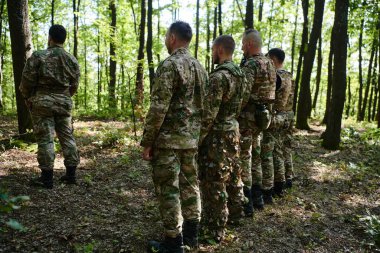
175, 177
221, 184
44, 127
266, 155
287, 153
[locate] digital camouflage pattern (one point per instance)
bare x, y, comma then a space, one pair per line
176, 106
261, 75
48, 79
172, 128
221, 184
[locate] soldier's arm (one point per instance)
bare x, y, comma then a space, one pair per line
29, 78
212, 102
162, 92
249, 80
74, 82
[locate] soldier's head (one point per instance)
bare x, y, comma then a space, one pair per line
278, 56
223, 49
57, 34
178, 35
251, 42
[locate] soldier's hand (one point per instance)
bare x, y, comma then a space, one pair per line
147, 154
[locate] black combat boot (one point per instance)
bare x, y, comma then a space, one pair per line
257, 197
190, 233
169, 245
267, 196
70, 177
248, 207
288, 184
279, 189
45, 180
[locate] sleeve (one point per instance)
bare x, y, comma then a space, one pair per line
29, 78
162, 92
249, 80
213, 99
74, 82
246, 92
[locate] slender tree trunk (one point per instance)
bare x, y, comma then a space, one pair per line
52, 12
305, 31
304, 103
373, 86
85, 75
348, 107
249, 15
158, 30
220, 17
215, 29
112, 84
134, 16
319, 71
359, 118
21, 43
76, 26
368, 84
140, 58
197, 31
331, 138
270, 24
149, 44
208, 39
2, 53
294, 39
261, 6
98, 100
329, 77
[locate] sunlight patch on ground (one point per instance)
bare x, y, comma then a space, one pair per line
322, 173
356, 200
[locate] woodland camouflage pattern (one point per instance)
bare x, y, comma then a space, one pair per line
172, 128
261, 75
218, 156
48, 77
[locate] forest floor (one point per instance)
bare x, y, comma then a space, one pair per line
113, 208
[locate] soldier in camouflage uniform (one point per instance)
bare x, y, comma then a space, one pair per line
220, 173
49, 79
170, 140
261, 76
283, 121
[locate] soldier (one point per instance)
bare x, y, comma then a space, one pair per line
50, 78
170, 140
284, 115
221, 183
255, 117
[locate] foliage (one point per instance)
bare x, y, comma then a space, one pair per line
7, 205
371, 225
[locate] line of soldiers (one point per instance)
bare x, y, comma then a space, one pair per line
224, 139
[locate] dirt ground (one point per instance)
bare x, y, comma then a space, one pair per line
113, 208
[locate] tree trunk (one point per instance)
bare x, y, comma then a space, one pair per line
305, 31
134, 17
368, 84
373, 86
331, 138
208, 57
197, 31
261, 6
348, 107
215, 29
249, 15
359, 118
304, 104
294, 39
270, 24
112, 83
21, 43
76, 26
329, 77
158, 30
149, 44
319, 71
2, 54
52, 12
140, 58
98, 100
220, 17
85, 75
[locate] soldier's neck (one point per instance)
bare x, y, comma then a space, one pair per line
254, 52
53, 44
224, 59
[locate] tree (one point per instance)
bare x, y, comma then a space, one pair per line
360, 71
2, 4
220, 17
140, 58
304, 103
52, 12
149, 43
249, 15
319, 72
76, 26
197, 31
329, 77
21, 43
112, 69
294, 38
331, 138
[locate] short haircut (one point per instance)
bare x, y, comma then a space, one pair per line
57, 33
182, 30
253, 35
278, 53
227, 43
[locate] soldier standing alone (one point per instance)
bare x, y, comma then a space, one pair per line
50, 78
170, 140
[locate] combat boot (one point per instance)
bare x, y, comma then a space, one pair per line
288, 184
190, 233
279, 189
70, 177
45, 180
248, 207
267, 196
257, 197
169, 245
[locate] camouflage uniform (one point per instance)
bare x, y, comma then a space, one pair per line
261, 75
221, 184
172, 128
48, 79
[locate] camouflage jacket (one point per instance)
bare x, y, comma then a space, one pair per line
224, 99
50, 71
261, 77
176, 107
284, 93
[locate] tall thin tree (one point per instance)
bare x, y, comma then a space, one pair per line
112, 69
140, 58
197, 31
149, 43
249, 15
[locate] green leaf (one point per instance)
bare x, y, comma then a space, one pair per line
15, 225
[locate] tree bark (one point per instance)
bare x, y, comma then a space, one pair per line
197, 32
360, 101
319, 71
208, 57
140, 58
149, 44
249, 15
261, 6
368, 84
348, 107
270, 24
220, 17
21, 43
52, 11
2, 54
331, 138
112, 69
329, 77
305, 31
98, 100
76, 26
294, 39
304, 104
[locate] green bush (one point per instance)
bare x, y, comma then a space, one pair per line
7, 205
371, 225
